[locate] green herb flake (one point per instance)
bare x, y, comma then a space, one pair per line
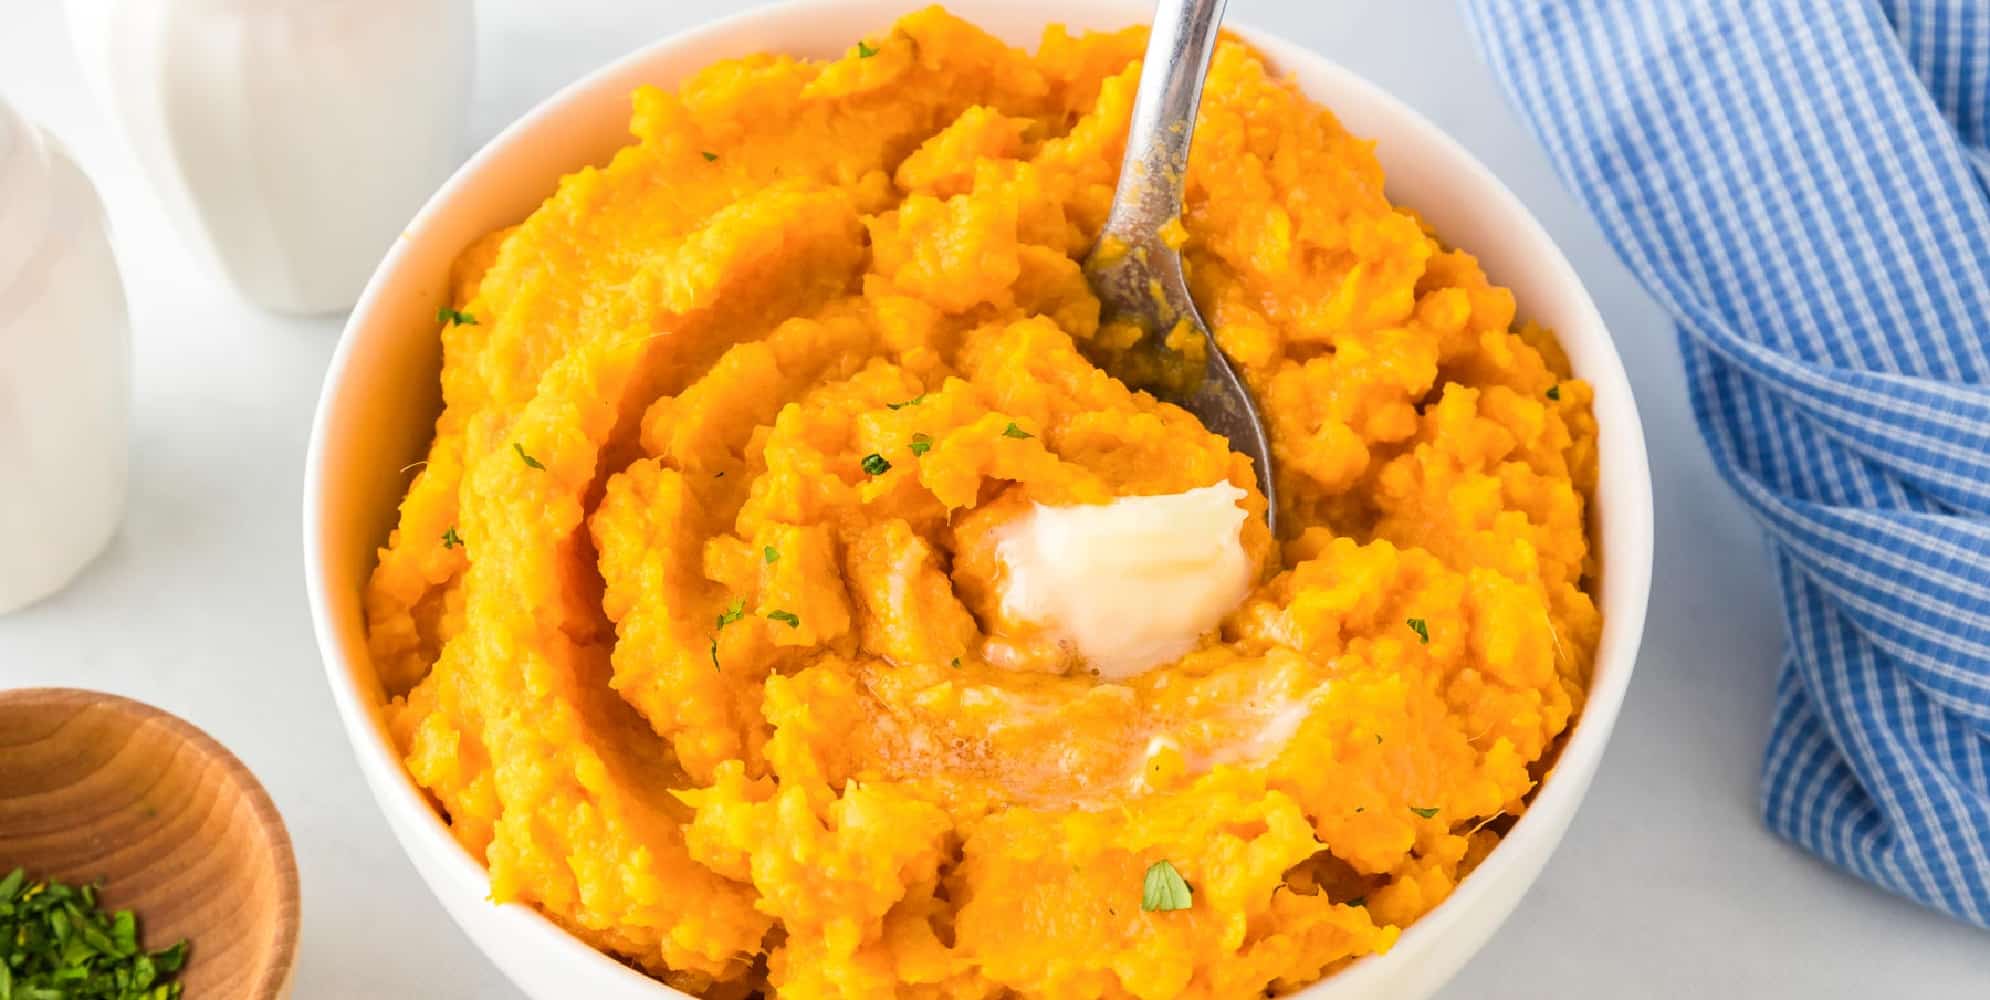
875, 465
709, 156
733, 612
1164, 889
530, 462
1425, 813
956, 663
865, 51
1358, 901
454, 318
914, 401
788, 618
172, 959
771, 554
921, 444
450, 539
1012, 431
56, 943
1555, 393
1421, 629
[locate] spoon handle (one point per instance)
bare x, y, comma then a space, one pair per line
1157, 140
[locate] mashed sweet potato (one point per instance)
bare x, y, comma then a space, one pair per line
685, 624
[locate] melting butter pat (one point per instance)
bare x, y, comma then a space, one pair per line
1131, 584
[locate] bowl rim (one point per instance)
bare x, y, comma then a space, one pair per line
269, 822
1536, 832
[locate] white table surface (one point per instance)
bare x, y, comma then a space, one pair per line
1667, 884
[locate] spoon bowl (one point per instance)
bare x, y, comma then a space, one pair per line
1136, 271
94, 787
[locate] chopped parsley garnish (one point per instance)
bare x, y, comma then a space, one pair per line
787, 618
1164, 888
530, 462
956, 663
1422, 630
921, 444
56, 943
454, 318
1555, 392
914, 401
450, 539
771, 554
1012, 431
865, 51
1358, 901
709, 156
1425, 813
733, 612
875, 465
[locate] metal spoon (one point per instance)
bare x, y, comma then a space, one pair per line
1137, 276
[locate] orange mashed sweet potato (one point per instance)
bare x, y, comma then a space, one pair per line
685, 625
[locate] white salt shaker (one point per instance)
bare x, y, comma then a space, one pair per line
290, 141
65, 369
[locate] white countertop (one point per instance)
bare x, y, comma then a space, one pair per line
1667, 885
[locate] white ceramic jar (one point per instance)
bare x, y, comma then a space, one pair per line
65, 369
288, 140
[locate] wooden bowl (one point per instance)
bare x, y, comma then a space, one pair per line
94, 786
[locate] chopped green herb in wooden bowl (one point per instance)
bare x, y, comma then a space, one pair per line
139, 859
58, 943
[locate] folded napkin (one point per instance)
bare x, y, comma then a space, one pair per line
1805, 186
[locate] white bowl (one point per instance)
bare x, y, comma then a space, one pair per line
380, 400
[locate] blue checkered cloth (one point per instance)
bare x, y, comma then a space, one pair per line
1805, 186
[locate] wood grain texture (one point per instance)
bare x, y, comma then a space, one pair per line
93, 786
